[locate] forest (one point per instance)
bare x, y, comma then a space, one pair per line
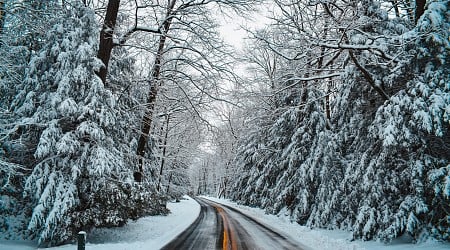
334, 112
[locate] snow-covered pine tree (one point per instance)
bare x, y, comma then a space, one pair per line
22, 33
390, 158
81, 176
382, 169
413, 128
280, 160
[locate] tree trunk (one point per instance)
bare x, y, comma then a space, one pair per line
204, 180
319, 67
2, 15
420, 9
106, 38
327, 103
168, 184
163, 160
199, 189
156, 70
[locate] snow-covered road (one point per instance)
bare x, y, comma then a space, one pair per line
222, 227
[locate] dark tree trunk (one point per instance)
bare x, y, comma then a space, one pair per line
163, 160
2, 15
368, 77
106, 38
420, 9
156, 70
320, 66
327, 105
170, 180
145, 126
204, 180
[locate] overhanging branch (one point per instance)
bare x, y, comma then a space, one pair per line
367, 76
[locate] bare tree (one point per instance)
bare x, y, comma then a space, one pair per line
188, 26
164, 151
151, 99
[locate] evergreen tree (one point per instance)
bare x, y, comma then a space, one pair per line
81, 175
380, 167
23, 33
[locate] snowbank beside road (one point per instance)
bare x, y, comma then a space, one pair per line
321, 239
152, 232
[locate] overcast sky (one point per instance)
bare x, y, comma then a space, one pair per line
232, 30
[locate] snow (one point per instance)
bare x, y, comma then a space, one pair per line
322, 239
151, 232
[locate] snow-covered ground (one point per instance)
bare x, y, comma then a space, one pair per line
151, 232
327, 239
155, 231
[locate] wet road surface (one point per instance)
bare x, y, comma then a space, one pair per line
222, 227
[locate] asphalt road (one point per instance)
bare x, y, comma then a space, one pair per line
222, 227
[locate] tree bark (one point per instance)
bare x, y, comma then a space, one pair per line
2, 15
327, 103
420, 9
319, 67
163, 160
168, 184
156, 70
204, 180
106, 38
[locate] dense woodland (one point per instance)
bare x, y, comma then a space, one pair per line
336, 113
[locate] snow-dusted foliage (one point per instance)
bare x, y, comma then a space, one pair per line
379, 165
408, 137
76, 137
21, 35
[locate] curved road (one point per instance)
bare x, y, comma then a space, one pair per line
222, 227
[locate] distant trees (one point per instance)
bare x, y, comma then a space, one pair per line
186, 41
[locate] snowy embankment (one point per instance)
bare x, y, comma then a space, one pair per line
321, 239
151, 232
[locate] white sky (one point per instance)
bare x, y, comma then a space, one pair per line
232, 31
233, 34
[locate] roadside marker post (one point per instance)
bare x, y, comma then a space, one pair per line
81, 240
